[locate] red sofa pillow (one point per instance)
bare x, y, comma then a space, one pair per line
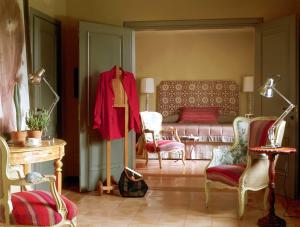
199, 115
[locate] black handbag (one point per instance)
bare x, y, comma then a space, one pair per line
132, 184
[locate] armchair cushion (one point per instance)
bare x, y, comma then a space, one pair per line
38, 208
164, 145
227, 174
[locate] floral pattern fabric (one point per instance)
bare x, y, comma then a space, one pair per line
237, 154
198, 93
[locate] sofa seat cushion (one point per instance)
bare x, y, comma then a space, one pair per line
164, 145
227, 174
38, 208
222, 133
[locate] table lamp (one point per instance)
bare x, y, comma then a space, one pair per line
248, 87
36, 78
147, 87
267, 90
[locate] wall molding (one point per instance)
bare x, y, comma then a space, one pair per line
193, 24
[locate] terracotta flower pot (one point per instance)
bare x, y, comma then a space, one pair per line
34, 134
18, 137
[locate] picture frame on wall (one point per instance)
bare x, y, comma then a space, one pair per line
15, 63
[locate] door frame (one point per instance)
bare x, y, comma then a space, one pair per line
36, 13
193, 24
223, 23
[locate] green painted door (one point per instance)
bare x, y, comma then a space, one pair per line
277, 53
44, 43
101, 47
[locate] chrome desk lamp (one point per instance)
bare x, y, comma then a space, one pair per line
36, 79
267, 90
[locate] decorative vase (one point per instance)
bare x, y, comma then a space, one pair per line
18, 137
34, 134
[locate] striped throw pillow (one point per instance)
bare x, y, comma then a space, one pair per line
207, 115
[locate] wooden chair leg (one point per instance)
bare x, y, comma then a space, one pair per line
159, 159
147, 157
241, 195
207, 192
266, 204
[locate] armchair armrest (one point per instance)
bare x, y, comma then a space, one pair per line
173, 130
153, 137
36, 178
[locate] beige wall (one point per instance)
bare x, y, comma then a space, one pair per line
117, 11
195, 55
53, 8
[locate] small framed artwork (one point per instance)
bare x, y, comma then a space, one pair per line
15, 63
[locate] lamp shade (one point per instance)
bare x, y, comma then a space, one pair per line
248, 84
147, 85
267, 89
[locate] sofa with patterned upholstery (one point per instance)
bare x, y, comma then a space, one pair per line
202, 111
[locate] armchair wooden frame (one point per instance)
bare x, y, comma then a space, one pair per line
164, 133
7, 181
255, 175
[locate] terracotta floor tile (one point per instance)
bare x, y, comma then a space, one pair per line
175, 198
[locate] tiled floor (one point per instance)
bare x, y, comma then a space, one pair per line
175, 198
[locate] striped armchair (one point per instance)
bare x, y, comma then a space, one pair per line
156, 140
33, 208
236, 167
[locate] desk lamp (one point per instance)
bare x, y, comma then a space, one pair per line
267, 90
36, 78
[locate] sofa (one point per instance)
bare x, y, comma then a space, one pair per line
200, 130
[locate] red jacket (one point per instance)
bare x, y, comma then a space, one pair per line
109, 120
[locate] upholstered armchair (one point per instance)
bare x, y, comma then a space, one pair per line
156, 140
236, 167
33, 208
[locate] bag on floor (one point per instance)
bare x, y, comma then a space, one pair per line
132, 184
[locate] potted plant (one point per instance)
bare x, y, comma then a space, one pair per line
19, 136
37, 121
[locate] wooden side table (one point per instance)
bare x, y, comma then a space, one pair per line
271, 219
48, 150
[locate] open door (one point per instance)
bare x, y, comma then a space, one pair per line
277, 53
100, 48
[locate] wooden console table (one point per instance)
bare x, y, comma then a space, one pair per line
271, 219
48, 150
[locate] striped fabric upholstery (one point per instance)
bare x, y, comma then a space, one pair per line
37, 208
258, 135
259, 132
227, 174
164, 145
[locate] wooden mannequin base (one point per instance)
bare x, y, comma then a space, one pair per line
108, 188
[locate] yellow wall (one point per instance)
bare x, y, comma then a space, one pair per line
53, 8
219, 59
117, 11
195, 55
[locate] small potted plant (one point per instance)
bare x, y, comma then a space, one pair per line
18, 136
37, 121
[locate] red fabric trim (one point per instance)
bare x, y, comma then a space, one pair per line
228, 174
264, 136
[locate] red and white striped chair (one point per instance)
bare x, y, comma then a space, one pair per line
157, 140
236, 167
33, 208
